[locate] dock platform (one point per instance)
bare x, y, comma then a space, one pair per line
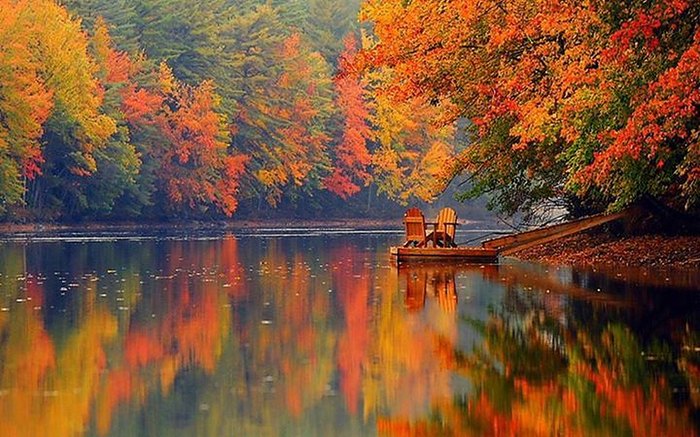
445, 249
464, 254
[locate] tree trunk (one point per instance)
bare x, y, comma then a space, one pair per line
369, 197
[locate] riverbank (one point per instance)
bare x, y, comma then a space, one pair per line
601, 248
593, 248
38, 228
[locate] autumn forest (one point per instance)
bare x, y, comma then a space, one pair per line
169, 108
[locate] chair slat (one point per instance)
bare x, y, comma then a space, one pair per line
447, 222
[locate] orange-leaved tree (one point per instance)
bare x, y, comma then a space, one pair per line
25, 104
50, 106
186, 143
293, 153
592, 103
352, 157
196, 167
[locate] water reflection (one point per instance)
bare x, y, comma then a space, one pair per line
436, 281
558, 358
315, 336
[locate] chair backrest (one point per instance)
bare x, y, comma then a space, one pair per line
446, 219
415, 225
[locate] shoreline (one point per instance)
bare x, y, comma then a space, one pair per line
38, 228
13, 228
587, 249
591, 249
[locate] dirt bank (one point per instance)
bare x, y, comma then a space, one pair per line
599, 248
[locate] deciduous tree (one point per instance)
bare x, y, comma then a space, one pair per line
593, 102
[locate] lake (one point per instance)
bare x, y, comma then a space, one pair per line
315, 332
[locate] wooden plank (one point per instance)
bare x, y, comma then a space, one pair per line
442, 251
522, 240
475, 254
536, 242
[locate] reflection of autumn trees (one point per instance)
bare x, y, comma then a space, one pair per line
352, 280
404, 378
182, 325
294, 342
26, 355
630, 395
55, 385
132, 338
288, 346
690, 364
270, 336
48, 387
533, 375
262, 336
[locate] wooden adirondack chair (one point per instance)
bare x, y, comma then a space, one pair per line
445, 228
415, 227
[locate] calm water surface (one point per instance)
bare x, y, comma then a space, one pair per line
277, 333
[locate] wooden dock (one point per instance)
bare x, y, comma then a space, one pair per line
522, 240
447, 254
491, 249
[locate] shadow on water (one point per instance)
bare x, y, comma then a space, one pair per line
283, 334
